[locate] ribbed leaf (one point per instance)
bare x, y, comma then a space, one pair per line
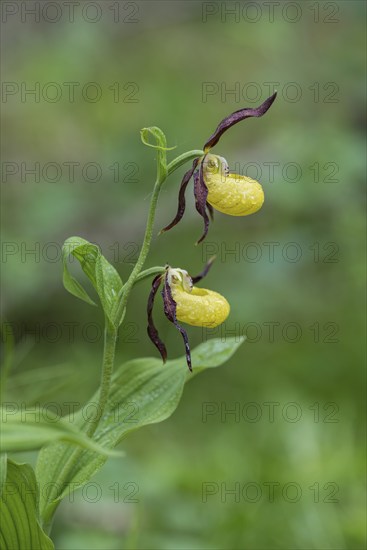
144, 391
3, 467
100, 272
30, 430
19, 519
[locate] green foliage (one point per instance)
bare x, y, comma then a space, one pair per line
3, 469
75, 448
19, 433
143, 391
103, 276
239, 55
19, 519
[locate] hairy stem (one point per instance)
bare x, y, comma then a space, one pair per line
111, 336
182, 159
109, 349
121, 305
125, 292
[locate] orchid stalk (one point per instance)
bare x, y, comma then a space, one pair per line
214, 187
72, 452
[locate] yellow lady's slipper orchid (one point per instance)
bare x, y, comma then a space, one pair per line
199, 307
230, 193
186, 303
214, 186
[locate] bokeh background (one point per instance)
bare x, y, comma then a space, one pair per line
296, 385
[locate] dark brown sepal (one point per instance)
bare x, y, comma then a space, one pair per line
170, 312
204, 273
235, 117
181, 197
151, 329
210, 210
201, 194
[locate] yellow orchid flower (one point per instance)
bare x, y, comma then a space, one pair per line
230, 193
187, 303
214, 186
195, 306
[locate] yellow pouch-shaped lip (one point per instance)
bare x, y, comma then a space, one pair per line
235, 195
230, 193
200, 307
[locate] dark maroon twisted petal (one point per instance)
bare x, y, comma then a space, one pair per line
203, 274
235, 117
210, 210
201, 194
181, 197
152, 331
170, 312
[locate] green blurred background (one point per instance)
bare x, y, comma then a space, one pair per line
166, 57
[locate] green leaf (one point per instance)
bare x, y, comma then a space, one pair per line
30, 430
7, 337
103, 276
144, 391
3, 468
19, 519
36, 385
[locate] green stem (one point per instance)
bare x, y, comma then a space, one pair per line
182, 159
148, 273
119, 311
110, 338
111, 331
121, 305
